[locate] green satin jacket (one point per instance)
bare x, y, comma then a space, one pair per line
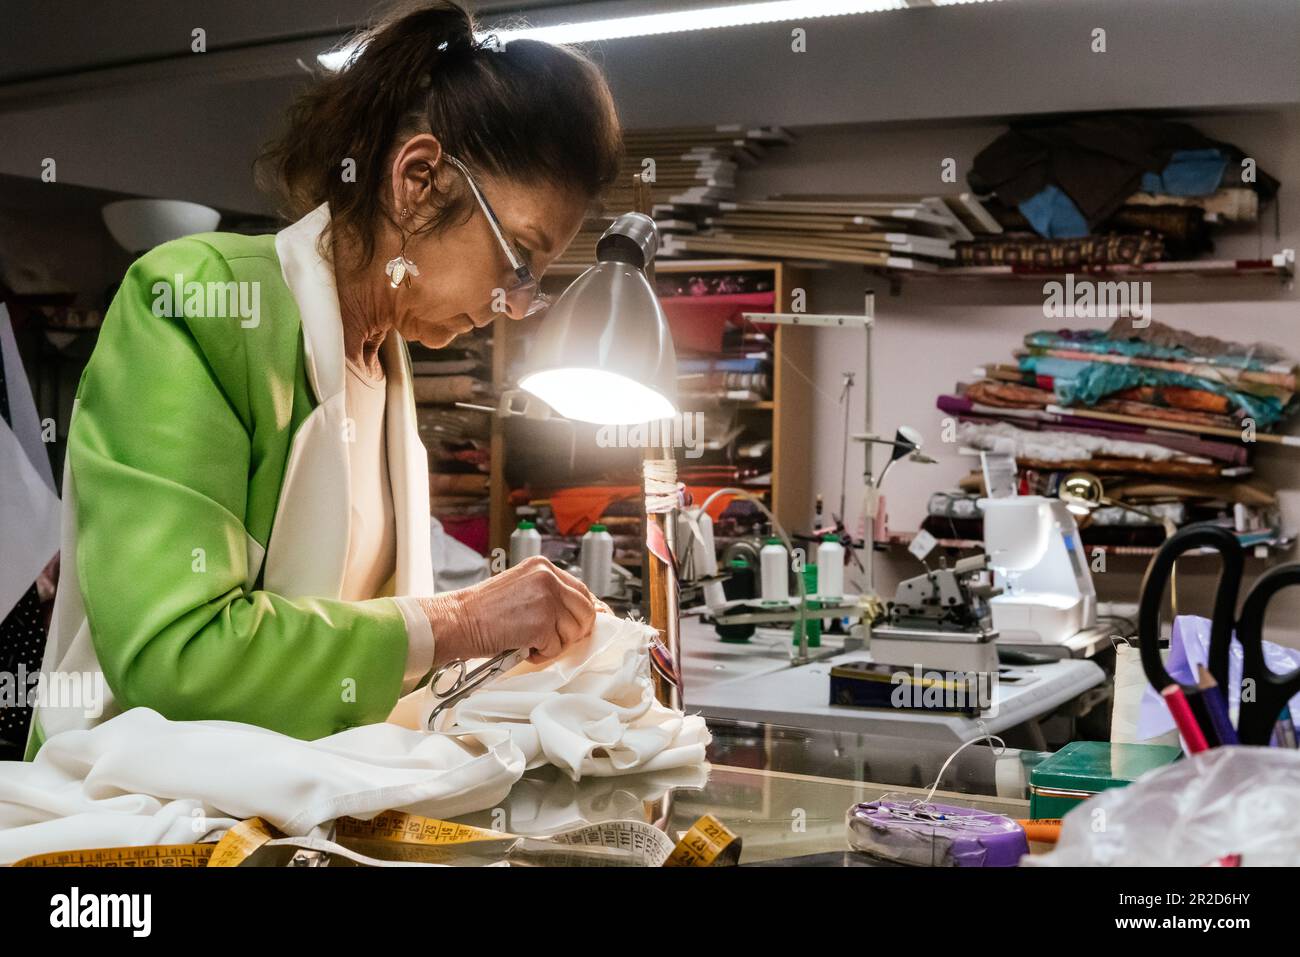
181, 436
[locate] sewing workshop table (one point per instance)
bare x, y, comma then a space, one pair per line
752, 683
783, 819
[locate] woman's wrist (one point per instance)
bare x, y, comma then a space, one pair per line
453, 627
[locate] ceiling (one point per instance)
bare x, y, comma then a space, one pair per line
59, 38
113, 92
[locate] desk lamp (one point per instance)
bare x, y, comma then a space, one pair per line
1082, 492
604, 354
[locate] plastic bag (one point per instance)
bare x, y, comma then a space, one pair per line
1233, 800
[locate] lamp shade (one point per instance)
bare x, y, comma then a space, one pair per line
604, 353
141, 224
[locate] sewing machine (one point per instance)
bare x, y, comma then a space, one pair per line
1034, 549
940, 620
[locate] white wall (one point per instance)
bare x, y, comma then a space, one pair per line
934, 332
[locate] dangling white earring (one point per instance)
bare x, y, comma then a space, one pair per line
399, 269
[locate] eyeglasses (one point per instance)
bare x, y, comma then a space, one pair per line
523, 296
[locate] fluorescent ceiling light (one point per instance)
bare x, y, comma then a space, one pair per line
704, 18
681, 21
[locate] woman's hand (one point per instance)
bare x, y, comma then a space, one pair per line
534, 605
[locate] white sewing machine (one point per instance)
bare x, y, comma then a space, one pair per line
1034, 549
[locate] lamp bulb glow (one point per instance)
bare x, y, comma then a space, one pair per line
597, 396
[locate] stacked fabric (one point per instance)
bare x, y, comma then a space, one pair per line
1110, 189
686, 171
1167, 420
896, 232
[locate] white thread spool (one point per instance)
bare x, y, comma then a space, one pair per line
774, 562
714, 596
830, 568
597, 560
525, 542
662, 493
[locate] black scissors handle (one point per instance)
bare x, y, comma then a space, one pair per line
1263, 693
1186, 539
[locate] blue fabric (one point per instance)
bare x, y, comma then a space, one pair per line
1097, 340
1054, 215
1087, 383
1189, 173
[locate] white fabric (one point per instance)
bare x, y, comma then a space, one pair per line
591, 712
22, 406
372, 527
142, 779
1052, 446
420, 642
455, 564
372, 533
29, 507
308, 548
29, 515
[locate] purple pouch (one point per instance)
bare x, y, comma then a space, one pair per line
935, 835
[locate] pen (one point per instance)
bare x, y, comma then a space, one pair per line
1284, 730
1201, 714
1176, 701
1216, 707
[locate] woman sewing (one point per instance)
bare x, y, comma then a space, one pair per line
246, 525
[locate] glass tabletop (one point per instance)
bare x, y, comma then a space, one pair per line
979, 769
781, 817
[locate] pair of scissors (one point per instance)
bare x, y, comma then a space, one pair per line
1263, 693
455, 680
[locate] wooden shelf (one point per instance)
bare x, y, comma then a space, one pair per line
674, 266
789, 410
1281, 267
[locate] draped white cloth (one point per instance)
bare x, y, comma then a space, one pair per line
592, 712
139, 778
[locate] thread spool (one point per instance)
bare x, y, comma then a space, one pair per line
774, 565
525, 542
830, 568
597, 560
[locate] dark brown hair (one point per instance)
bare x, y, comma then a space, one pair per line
529, 111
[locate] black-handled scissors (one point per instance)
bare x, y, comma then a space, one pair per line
1264, 694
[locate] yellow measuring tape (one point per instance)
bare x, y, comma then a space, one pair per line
402, 836
708, 843
235, 846
151, 855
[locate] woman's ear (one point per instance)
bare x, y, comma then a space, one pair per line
414, 176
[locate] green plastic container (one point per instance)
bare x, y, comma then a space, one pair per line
1084, 768
814, 624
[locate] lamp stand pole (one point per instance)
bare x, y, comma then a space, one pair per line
659, 596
